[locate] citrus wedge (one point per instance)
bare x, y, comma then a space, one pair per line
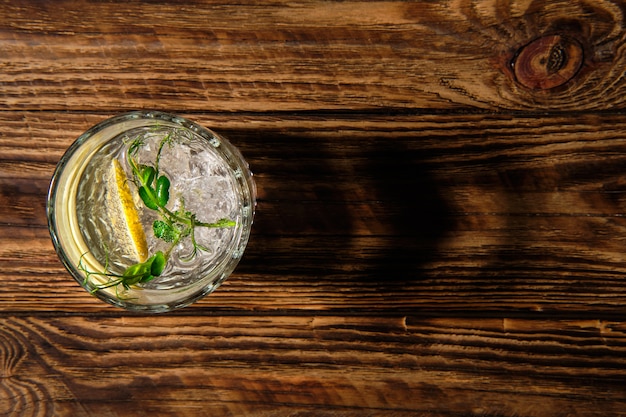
134, 228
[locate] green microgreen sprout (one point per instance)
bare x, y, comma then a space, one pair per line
172, 227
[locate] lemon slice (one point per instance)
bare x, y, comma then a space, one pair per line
128, 231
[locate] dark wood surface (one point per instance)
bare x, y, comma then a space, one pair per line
441, 224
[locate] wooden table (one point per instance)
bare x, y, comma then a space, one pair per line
441, 223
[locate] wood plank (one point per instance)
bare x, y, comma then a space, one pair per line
484, 213
322, 365
243, 56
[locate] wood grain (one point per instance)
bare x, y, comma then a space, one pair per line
209, 55
324, 365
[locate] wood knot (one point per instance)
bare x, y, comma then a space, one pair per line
548, 62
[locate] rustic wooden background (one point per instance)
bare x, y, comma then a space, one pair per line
441, 223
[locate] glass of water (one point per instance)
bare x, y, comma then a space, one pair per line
149, 211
